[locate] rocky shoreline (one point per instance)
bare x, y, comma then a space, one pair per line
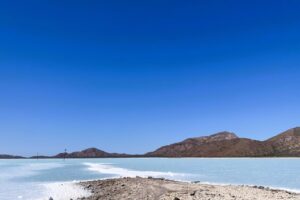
162, 189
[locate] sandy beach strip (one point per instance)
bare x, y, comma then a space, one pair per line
161, 189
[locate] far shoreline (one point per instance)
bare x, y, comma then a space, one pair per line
50, 158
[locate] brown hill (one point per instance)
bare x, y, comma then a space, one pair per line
90, 153
286, 143
226, 144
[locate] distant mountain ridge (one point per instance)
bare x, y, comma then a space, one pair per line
90, 153
222, 144
226, 144
6, 156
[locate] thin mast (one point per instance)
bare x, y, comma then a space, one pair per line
65, 154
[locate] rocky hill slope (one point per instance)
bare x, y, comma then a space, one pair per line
286, 143
226, 144
90, 153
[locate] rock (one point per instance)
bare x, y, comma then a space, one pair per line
50, 198
176, 198
193, 193
259, 187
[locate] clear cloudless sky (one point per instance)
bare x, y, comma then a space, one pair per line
130, 76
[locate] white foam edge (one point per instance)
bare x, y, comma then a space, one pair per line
105, 168
63, 191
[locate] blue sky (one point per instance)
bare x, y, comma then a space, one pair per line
130, 76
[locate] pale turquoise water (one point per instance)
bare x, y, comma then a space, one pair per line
25, 179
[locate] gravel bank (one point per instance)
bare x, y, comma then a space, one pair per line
161, 189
